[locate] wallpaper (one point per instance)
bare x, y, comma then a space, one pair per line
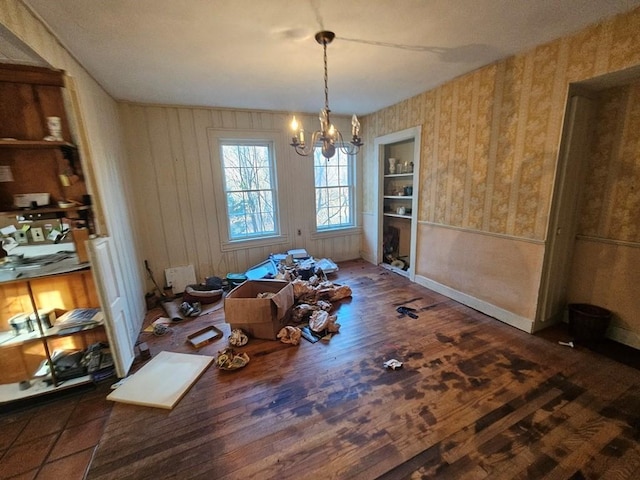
611, 194
490, 138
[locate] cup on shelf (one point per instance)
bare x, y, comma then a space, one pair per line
401, 211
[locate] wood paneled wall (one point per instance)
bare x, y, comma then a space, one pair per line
173, 169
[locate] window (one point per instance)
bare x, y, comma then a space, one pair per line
249, 188
334, 186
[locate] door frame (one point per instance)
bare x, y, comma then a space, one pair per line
565, 206
415, 134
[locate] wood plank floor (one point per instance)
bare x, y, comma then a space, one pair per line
476, 399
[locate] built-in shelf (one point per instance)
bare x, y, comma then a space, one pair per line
397, 175
397, 215
36, 144
399, 197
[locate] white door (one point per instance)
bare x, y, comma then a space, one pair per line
109, 284
574, 151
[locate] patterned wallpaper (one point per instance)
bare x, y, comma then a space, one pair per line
611, 195
490, 138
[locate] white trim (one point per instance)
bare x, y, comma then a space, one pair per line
414, 134
610, 241
277, 140
498, 313
624, 336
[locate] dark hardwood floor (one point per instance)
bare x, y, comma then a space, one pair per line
475, 399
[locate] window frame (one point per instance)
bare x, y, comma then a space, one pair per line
218, 137
352, 186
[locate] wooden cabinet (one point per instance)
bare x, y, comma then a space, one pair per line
42, 270
398, 167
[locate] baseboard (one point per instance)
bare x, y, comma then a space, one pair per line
505, 316
626, 337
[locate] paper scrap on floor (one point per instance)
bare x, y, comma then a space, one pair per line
163, 381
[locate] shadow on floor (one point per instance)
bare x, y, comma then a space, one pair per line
607, 347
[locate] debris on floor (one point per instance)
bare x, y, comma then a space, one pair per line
238, 338
229, 359
290, 334
393, 364
410, 312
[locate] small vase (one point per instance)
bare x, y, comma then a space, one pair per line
392, 165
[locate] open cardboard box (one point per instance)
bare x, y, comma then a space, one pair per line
259, 317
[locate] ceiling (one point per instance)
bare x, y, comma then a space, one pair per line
261, 54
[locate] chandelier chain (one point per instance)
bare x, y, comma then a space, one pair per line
326, 77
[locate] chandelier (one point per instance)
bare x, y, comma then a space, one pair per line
328, 138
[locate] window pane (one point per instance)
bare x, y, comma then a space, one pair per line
334, 191
248, 181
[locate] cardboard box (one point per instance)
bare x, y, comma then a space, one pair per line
259, 317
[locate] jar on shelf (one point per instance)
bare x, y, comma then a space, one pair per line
392, 165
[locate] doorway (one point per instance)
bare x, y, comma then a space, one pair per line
593, 243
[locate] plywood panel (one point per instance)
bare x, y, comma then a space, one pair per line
497, 270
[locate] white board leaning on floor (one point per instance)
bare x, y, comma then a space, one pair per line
163, 381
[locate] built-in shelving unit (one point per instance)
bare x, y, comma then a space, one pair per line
50, 272
398, 167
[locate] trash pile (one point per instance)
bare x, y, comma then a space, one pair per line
311, 316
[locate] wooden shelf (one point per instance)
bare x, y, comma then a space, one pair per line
396, 215
35, 144
44, 210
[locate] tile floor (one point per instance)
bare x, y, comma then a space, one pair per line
53, 440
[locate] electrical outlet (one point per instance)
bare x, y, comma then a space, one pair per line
299, 232
37, 235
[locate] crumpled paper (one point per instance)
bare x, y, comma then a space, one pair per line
238, 338
229, 359
290, 335
321, 321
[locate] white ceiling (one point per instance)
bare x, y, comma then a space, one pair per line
261, 54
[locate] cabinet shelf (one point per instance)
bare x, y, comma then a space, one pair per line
11, 391
397, 215
399, 197
8, 339
44, 210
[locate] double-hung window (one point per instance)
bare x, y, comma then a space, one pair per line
335, 191
249, 188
